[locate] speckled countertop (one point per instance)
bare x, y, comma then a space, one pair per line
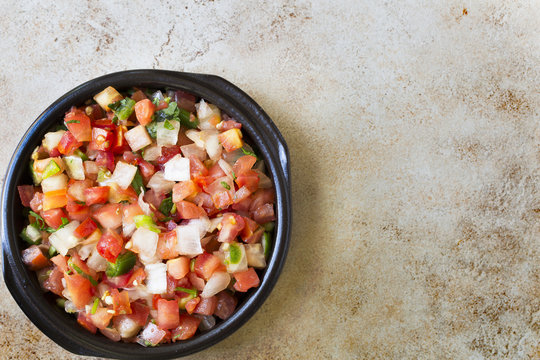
413, 128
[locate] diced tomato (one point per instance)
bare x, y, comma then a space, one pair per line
80, 289
183, 189
206, 264
154, 198
147, 169
101, 139
139, 313
222, 195
137, 277
244, 164
185, 100
93, 112
197, 168
207, 306
36, 204
188, 210
54, 281
131, 158
109, 216
179, 267
68, 143
105, 124
77, 261
216, 172
230, 124
167, 153
77, 211
61, 262
166, 247
54, 152
187, 328
117, 194
197, 282
255, 237
76, 188
249, 228
192, 304
231, 139
168, 314
162, 105
152, 334
242, 205
144, 109
226, 304
54, 199
262, 196
231, 225
101, 318
120, 144
83, 320
245, 280
120, 281
110, 245
138, 95
86, 228
53, 217
121, 304
78, 123
96, 195
249, 180
264, 214
26, 193
33, 258
106, 159
129, 211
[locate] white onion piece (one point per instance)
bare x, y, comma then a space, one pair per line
214, 223
241, 265
144, 206
152, 152
90, 167
56, 182
202, 223
138, 138
127, 327
74, 167
123, 175
255, 255
156, 278
205, 112
227, 169
85, 250
193, 149
177, 169
157, 95
217, 282
140, 292
64, 238
159, 184
212, 145
145, 241
52, 139
70, 307
196, 137
167, 137
128, 227
96, 261
189, 239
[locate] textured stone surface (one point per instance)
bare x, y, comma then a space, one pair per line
414, 134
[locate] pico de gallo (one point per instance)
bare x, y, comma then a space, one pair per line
149, 215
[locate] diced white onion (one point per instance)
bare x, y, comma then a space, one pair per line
227, 169
51, 139
64, 238
96, 261
159, 184
212, 145
127, 327
152, 152
217, 282
193, 149
106, 97
144, 206
241, 265
145, 241
255, 255
214, 223
189, 239
205, 112
86, 250
167, 137
123, 175
196, 137
74, 167
56, 182
138, 138
156, 278
177, 169
202, 223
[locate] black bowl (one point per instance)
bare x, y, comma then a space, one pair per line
62, 328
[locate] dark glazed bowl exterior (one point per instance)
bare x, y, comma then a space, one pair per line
22, 283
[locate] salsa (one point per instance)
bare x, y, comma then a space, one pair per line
149, 215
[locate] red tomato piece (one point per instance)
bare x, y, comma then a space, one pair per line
120, 281
197, 282
226, 304
216, 172
105, 124
120, 144
78, 123
255, 237
54, 199
179, 267
166, 247
93, 112
147, 169
183, 189
86, 323
230, 124
188, 210
244, 164
80, 289
77, 211
101, 318
264, 214
33, 258
144, 109
197, 168
106, 159
139, 313
262, 196
110, 245
26, 193
54, 281
77, 261
187, 328
207, 306
231, 225
86, 228
249, 228
117, 194
53, 217
76, 188
137, 277
96, 195
206, 264
167, 153
245, 280
61, 262
121, 304
185, 100
192, 304
68, 143
101, 139
250, 180
109, 216
168, 316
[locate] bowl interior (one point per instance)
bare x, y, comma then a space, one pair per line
261, 134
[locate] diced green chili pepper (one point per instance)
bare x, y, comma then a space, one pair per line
266, 243
269, 226
103, 174
183, 301
167, 125
187, 119
146, 222
152, 129
225, 185
52, 251
51, 169
123, 108
235, 254
94, 306
61, 302
123, 264
80, 154
82, 273
247, 152
192, 292
192, 265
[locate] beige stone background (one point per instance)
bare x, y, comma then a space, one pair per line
413, 128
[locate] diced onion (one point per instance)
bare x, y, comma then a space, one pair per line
123, 174
74, 167
108, 96
214, 223
240, 265
167, 137
189, 239
193, 149
207, 322
202, 223
207, 112
85, 250
96, 261
212, 145
138, 138
56, 182
227, 169
159, 184
156, 278
177, 169
145, 241
144, 206
152, 152
255, 255
196, 137
217, 282
127, 327
64, 239
52, 139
